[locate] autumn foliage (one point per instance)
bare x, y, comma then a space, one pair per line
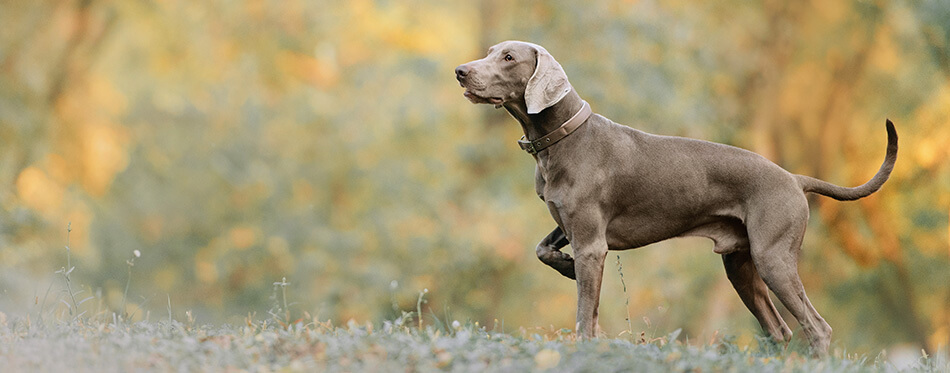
235, 143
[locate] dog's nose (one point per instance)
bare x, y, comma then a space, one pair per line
461, 71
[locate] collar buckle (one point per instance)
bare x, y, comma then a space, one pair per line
528, 146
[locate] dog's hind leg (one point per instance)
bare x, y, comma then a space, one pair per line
755, 294
776, 238
549, 251
732, 241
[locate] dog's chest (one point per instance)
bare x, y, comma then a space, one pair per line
553, 182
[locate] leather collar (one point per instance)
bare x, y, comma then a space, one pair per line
535, 146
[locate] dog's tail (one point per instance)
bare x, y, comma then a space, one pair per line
810, 184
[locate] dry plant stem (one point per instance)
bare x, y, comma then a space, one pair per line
125, 295
128, 281
69, 229
283, 293
69, 269
625, 296
419, 306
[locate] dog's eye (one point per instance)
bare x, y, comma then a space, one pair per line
508, 57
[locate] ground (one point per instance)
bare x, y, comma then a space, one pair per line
400, 345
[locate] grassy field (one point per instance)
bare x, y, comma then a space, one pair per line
75, 334
393, 346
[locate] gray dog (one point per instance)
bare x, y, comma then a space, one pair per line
611, 187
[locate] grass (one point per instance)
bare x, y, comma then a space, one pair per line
64, 338
397, 345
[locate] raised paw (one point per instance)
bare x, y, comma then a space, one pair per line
561, 262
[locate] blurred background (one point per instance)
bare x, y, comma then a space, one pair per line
238, 142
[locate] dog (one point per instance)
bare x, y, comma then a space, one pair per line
612, 187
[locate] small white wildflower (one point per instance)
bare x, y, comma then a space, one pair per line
394, 284
426, 290
456, 324
137, 253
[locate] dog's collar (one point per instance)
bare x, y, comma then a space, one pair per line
535, 146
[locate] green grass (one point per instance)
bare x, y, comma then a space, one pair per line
99, 346
71, 335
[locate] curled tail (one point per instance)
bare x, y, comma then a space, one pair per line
810, 184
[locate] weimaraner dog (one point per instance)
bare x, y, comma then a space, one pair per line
612, 187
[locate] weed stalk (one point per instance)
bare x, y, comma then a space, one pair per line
283, 292
130, 262
626, 297
66, 271
419, 306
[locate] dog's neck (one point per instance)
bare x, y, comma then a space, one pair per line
537, 125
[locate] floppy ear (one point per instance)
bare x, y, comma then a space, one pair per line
547, 85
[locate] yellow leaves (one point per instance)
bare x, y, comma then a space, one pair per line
103, 156
99, 155
255, 9
884, 54
831, 11
933, 137
205, 269
59, 169
320, 73
46, 193
38, 191
498, 239
100, 91
91, 142
426, 36
435, 31
928, 152
803, 89
243, 237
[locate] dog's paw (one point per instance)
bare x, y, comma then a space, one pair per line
561, 262
566, 268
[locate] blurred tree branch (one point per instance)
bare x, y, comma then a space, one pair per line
764, 85
75, 60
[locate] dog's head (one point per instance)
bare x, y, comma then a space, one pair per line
514, 71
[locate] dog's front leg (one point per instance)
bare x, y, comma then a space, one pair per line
549, 251
589, 256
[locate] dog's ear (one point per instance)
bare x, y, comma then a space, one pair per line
547, 85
